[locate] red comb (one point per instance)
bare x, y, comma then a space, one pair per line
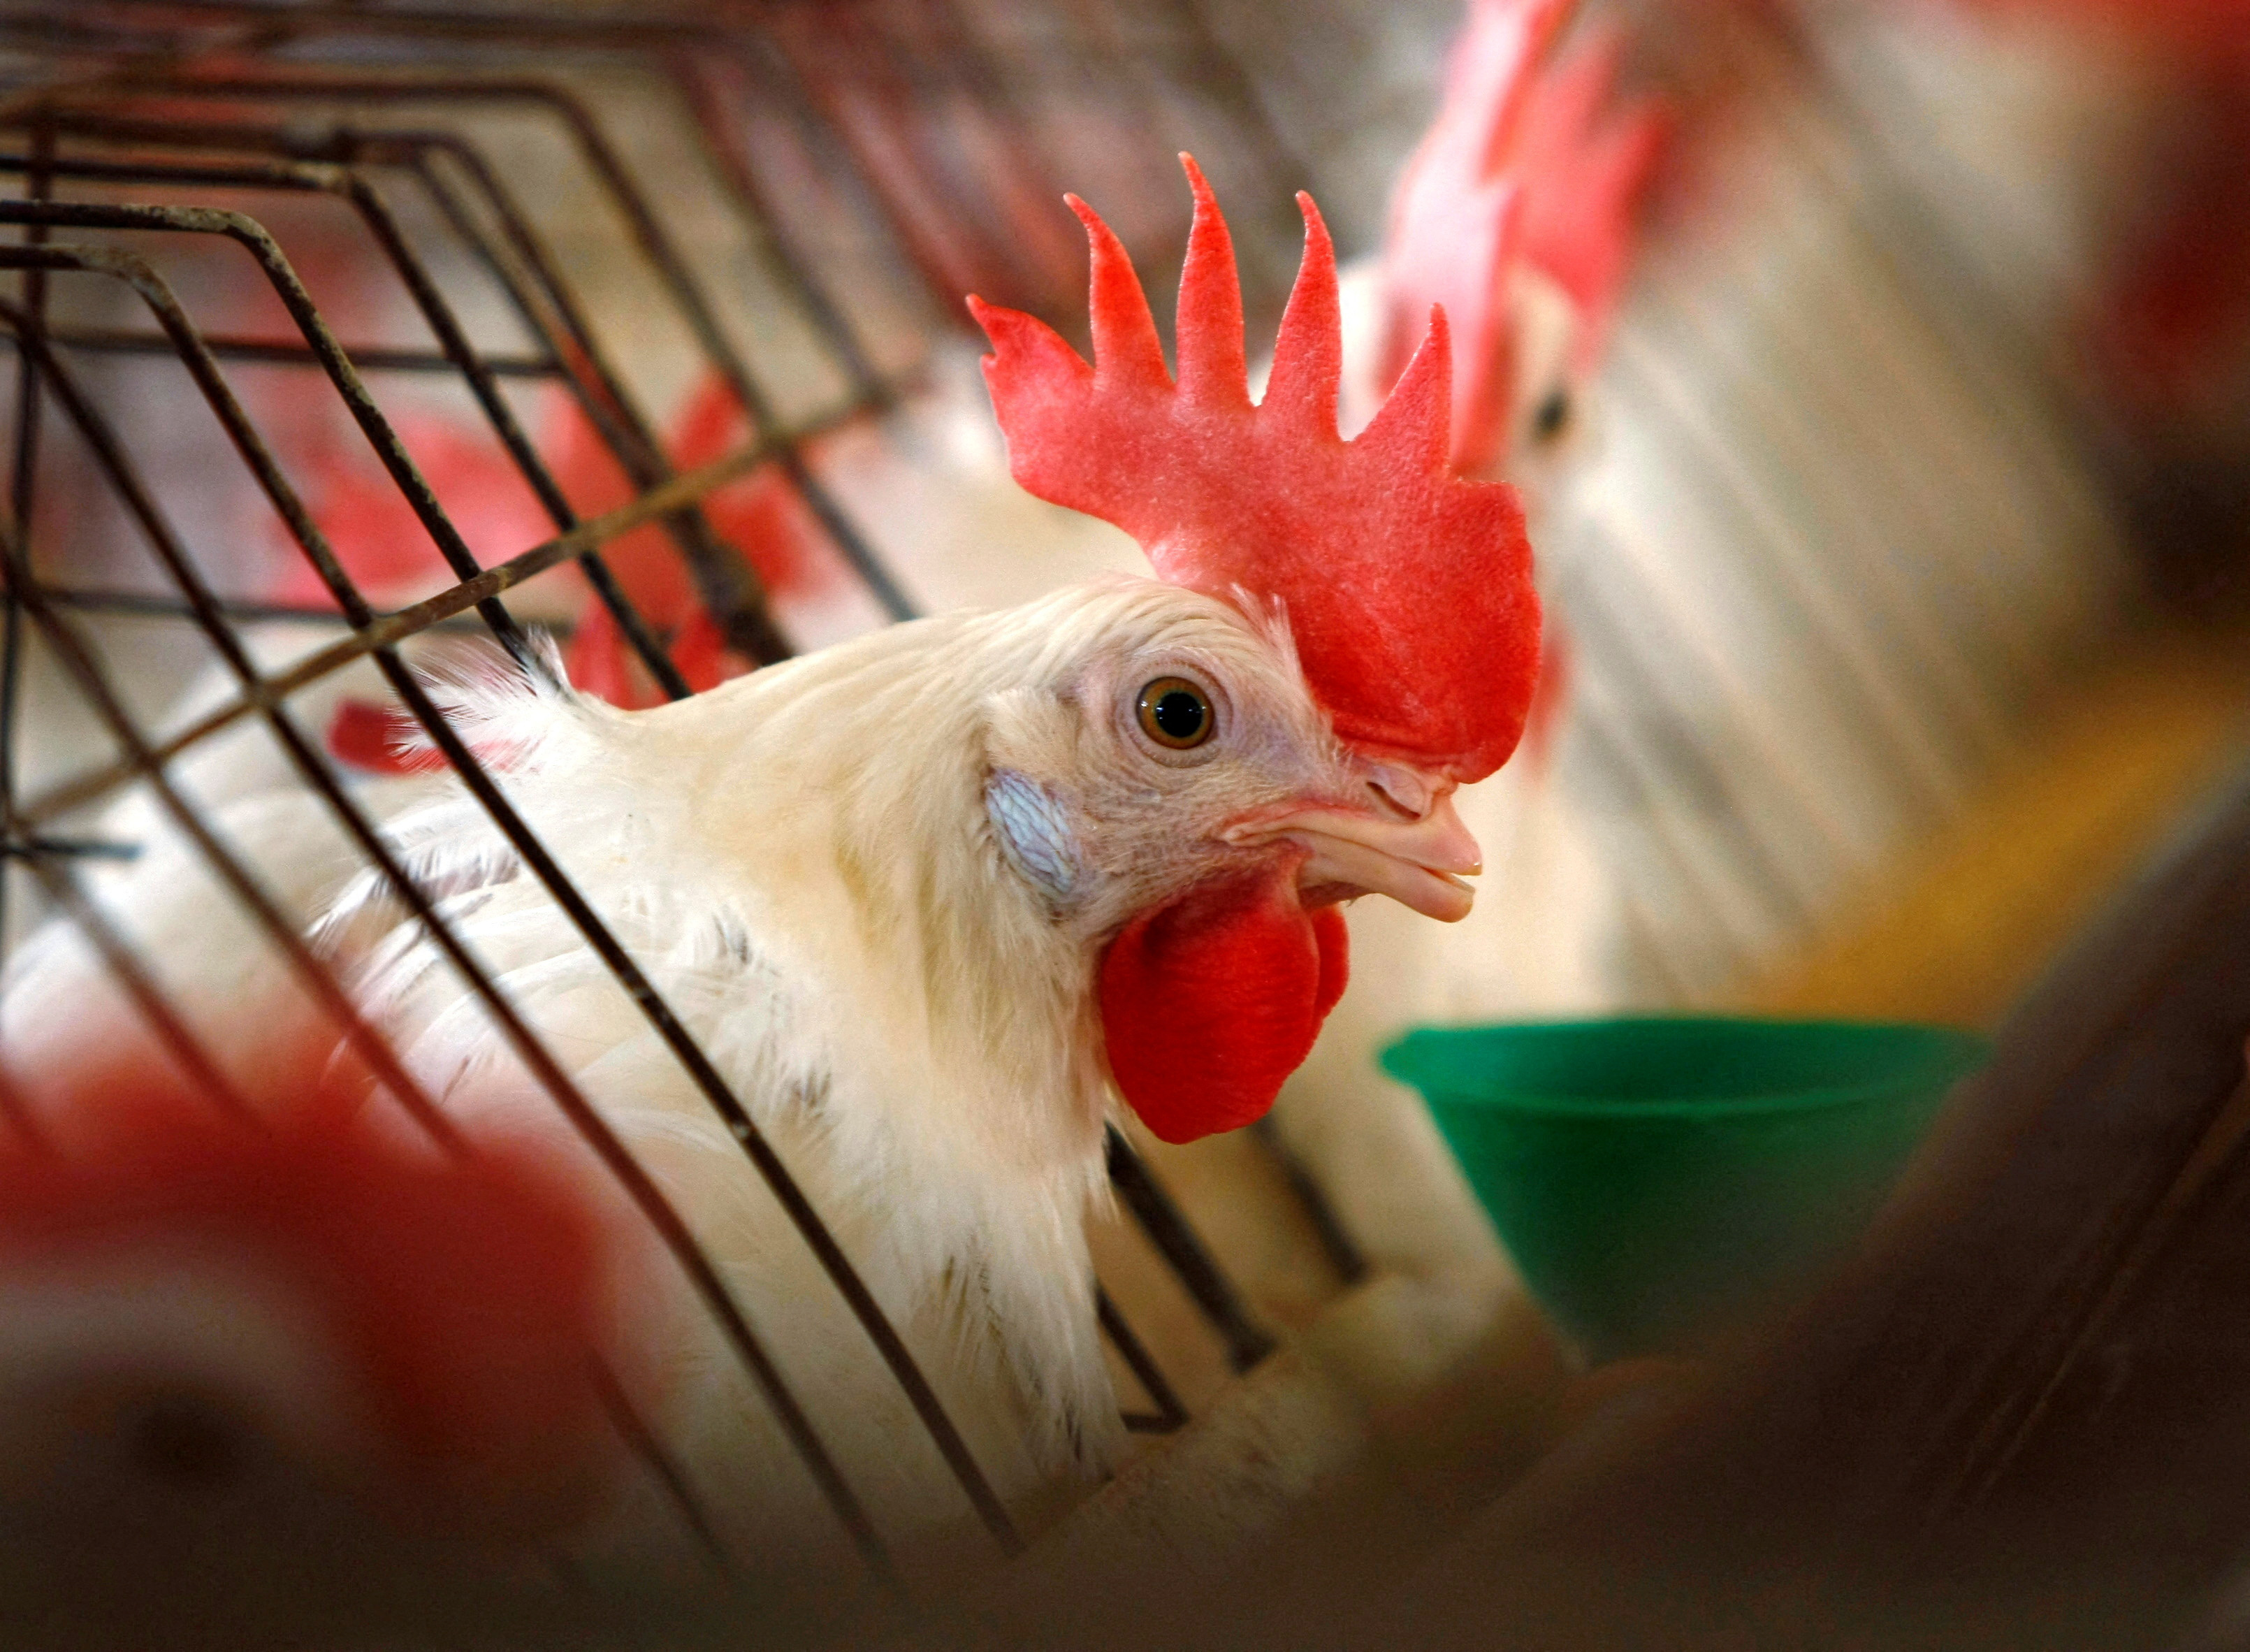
1586, 162
1408, 590
375, 532
1523, 165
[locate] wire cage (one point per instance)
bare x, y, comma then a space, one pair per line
373, 307
248, 237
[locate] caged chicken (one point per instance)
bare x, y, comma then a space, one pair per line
932, 899
1532, 149
1517, 212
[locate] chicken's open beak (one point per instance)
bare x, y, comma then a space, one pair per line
1417, 862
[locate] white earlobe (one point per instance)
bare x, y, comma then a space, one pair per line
1033, 827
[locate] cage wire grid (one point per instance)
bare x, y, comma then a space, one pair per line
162, 130
45, 258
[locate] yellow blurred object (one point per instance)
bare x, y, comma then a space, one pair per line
1969, 917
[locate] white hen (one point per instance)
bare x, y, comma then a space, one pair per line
926, 897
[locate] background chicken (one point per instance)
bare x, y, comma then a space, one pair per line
1518, 212
247, 1330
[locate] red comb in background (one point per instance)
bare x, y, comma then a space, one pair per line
373, 530
788, 552
761, 516
388, 553
1523, 164
1456, 233
1407, 588
446, 1308
1586, 160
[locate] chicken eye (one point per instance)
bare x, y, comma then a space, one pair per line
1175, 713
1553, 416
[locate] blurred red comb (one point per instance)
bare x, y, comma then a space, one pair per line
1408, 590
1586, 160
1525, 163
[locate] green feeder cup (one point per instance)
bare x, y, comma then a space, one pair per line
1656, 1178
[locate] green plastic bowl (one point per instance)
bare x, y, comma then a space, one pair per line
1658, 1178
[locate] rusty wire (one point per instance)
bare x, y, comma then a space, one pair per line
114, 143
363, 1038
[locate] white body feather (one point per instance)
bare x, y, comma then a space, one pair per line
821, 910
821, 870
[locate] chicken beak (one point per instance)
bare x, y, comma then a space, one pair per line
1419, 863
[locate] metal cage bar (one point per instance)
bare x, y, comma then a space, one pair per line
1152, 1207
313, 971
597, 934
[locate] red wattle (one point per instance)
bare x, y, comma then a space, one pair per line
1335, 941
1209, 1004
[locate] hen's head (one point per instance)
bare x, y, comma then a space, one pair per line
1182, 733
1348, 631
1407, 591
1169, 789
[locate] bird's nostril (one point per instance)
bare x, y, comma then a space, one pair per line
1401, 792
1388, 799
